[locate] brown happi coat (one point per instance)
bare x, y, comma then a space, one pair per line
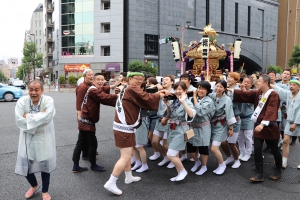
91, 110
134, 98
268, 113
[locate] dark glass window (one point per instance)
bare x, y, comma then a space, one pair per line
222, 14
105, 51
68, 8
207, 12
106, 5
106, 28
151, 44
236, 18
249, 21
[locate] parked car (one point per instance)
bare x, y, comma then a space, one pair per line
9, 93
19, 83
10, 81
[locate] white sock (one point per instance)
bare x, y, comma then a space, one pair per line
137, 164
183, 156
143, 168
128, 174
216, 169
112, 179
196, 166
174, 178
284, 161
182, 174
164, 161
202, 170
221, 169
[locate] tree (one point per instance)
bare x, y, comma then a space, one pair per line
276, 69
139, 66
31, 58
2, 77
295, 57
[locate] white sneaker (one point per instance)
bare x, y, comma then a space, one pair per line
246, 158
236, 164
132, 179
154, 156
241, 156
229, 160
170, 165
113, 188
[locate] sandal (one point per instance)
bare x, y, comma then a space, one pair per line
48, 197
32, 191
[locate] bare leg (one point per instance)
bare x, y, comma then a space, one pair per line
204, 159
123, 164
216, 151
234, 151
157, 145
225, 148
286, 146
142, 155
135, 154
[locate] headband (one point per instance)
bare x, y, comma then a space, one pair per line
86, 71
130, 74
295, 81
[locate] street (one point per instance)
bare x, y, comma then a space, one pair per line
155, 183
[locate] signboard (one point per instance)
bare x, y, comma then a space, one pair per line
76, 67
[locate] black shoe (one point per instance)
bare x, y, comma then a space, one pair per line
277, 174
97, 168
77, 168
266, 149
257, 178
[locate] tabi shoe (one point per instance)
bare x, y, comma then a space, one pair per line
298, 167
170, 165
163, 162
97, 168
246, 158
32, 191
241, 156
77, 168
284, 165
257, 178
112, 187
155, 156
236, 164
229, 160
276, 175
132, 179
181, 175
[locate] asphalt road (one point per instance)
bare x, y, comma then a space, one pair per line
155, 183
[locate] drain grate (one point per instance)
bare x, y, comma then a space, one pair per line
289, 175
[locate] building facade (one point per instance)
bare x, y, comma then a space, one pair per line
106, 35
288, 30
36, 29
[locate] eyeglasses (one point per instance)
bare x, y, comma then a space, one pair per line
138, 79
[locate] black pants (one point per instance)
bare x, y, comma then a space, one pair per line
294, 138
85, 137
45, 181
273, 144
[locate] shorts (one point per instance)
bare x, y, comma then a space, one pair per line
216, 143
172, 152
139, 145
160, 134
193, 149
124, 140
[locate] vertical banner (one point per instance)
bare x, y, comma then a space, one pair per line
231, 63
207, 68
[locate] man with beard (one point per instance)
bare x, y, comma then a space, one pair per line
266, 103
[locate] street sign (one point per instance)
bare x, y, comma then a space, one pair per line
162, 41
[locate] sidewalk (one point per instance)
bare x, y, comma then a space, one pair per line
53, 89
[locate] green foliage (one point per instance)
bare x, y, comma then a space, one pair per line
72, 79
139, 66
276, 69
31, 58
23, 71
2, 77
62, 80
295, 57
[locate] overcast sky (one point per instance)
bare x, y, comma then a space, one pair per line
15, 16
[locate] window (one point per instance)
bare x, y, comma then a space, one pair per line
40, 33
249, 21
36, 33
222, 14
207, 12
35, 23
236, 18
105, 51
40, 41
151, 44
105, 28
105, 5
39, 23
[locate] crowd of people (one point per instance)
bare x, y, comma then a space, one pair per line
238, 115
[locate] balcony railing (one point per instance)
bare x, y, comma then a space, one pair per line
50, 8
49, 23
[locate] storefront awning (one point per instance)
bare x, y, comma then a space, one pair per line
112, 67
76, 67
